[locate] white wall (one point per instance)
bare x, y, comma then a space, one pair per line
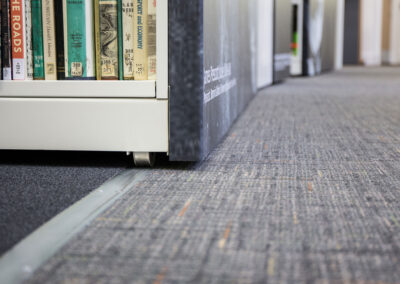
339, 34
394, 50
371, 32
265, 40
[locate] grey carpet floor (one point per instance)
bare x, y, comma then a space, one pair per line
37, 185
304, 189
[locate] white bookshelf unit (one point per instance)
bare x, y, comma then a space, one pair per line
129, 116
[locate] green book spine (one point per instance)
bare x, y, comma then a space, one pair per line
37, 40
1, 65
76, 37
120, 42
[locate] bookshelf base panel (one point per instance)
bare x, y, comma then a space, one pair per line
132, 125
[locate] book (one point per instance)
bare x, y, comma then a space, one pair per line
65, 39
152, 40
120, 40
59, 23
97, 38
108, 39
90, 44
49, 40
128, 42
37, 40
145, 40
17, 8
78, 27
1, 69
6, 60
140, 35
28, 41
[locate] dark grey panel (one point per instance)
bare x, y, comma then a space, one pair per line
185, 44
329, 36
282, 39
351, 23
229, 34
211, 71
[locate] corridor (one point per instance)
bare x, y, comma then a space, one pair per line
305, 188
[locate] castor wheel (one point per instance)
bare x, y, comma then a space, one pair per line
144, 159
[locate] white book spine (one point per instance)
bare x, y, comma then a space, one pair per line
49, 40
65, 29
28, 41
128, 38
141, 39
90, 49
151, 23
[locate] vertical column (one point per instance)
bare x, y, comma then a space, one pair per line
162, 49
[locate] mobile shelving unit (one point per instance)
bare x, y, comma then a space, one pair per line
168, 115
129, 116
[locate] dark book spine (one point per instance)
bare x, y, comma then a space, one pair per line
6, 59
1, 69
120, 43
58, 9
96, 9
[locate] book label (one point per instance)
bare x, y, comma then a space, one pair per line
18, 68
76, 69
7, 73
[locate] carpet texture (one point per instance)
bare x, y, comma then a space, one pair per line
37, 185
304, 189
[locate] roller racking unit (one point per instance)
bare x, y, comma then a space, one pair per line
169, 115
